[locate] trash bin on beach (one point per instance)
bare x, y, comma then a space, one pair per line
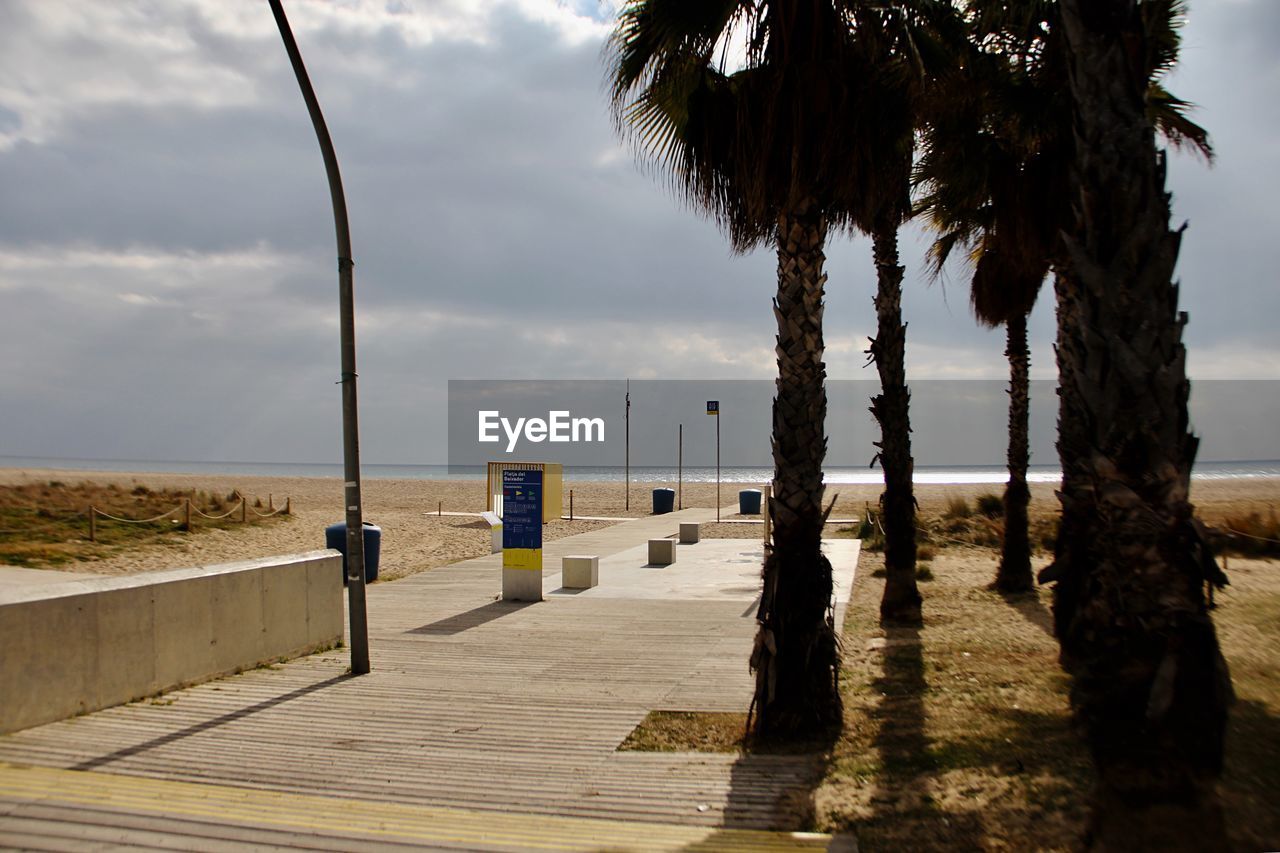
749, 502
664, 500
335, 536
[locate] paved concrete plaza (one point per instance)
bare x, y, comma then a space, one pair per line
484, 724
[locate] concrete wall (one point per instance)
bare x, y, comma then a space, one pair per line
77, 646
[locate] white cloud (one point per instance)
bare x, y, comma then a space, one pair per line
217, 54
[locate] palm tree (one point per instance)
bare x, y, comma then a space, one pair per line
884, 36
756, 140
998, 147
992, 154
1150, 684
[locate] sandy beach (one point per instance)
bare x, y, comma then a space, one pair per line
415, 539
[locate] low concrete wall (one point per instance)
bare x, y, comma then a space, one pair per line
67, 648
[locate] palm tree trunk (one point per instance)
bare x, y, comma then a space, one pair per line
901, 599
1150, 685
795, 658
1014, 573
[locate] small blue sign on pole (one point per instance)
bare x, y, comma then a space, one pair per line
521, 519
713, 407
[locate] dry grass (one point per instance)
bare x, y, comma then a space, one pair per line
958, 735
710, 731
687, 731
47, 523
1251, 535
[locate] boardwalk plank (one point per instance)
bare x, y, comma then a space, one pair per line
473, 704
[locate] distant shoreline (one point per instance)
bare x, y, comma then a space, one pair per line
990, 474
415, 538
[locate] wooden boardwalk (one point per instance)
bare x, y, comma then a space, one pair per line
499, 716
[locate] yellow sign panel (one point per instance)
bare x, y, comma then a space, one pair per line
522, 558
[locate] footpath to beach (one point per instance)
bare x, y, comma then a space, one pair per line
484, 725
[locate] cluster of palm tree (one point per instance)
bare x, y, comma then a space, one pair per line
1027, 129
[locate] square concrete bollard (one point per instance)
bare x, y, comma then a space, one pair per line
662, 552
690, 532
580, 572
495, 531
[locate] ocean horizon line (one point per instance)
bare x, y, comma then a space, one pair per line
955, 473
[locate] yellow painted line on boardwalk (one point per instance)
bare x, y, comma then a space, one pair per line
309, 813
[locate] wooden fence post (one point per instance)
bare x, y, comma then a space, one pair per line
93, 525
187, 512
244, 508
288, 506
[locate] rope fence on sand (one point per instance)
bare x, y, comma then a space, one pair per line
187, 508
1235, 532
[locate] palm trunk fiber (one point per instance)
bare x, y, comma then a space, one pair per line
795, 658
901, 599
1014, 573
1150, 686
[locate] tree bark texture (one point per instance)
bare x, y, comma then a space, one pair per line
901, 599
1014, 573
796, 659
1150, 686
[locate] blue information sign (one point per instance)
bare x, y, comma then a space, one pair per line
522, 516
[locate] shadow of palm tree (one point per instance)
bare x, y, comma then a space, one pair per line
773, 785
901, 742
1252, 766
1031, 608
903, 747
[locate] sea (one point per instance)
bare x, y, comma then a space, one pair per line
924, 474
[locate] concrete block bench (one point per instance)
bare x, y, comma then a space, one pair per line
495, 531
580, 571
690, 532
662, 552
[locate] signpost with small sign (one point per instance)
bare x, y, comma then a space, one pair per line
713, 408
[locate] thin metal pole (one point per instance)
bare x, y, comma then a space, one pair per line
680, 469
717, 463
628, 444
346, 302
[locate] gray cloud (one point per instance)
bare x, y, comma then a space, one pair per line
166, 240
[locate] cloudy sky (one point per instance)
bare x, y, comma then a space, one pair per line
167, 272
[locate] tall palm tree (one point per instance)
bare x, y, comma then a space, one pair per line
998, 147
884, 34
747, 105
1150, 684
992, 168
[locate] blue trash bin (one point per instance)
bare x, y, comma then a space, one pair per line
664, 501
335, 536
749, 502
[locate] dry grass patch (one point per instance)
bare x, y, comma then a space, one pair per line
710, 731
687, 731
47, 523
958, 734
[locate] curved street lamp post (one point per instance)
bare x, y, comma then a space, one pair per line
359, 629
